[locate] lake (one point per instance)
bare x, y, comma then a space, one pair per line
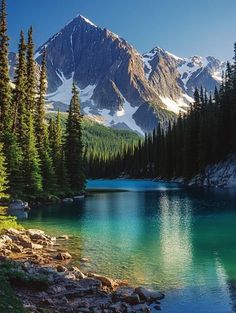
181, 241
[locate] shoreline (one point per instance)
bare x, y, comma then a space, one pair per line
55, 285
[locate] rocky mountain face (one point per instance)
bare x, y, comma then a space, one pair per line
118, 86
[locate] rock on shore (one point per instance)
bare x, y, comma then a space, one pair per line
221, 174
69, 290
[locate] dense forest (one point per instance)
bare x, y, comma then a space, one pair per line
202, 136
36, 158
51, 154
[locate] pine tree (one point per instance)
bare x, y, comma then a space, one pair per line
33, 179
74, 145
5, 88
31, 80
11, 147
41, 131
19, 94
3, 174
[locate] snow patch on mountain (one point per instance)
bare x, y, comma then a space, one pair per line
64, 92
147, 58
122, 117
176, 106
40, 52
190, 66
87, 20
174, 56
87, 93
196, 64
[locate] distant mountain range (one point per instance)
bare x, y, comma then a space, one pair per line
118, 86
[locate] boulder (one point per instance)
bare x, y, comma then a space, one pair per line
25, 241
67, 200
61, 268
36, 234
5, 239
149, 295
16, 249
13, 232
63, 256
2, 244
18, 205
106, 281
132, 299
36, 246
78, 274
90, 283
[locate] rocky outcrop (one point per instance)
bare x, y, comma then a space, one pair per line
19, 209
45, 282
221, 174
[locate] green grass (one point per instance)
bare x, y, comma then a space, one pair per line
7, 221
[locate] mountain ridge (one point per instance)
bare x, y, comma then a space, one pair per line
119, 86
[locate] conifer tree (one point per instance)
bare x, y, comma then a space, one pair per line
33, 178
5, 88
3, 174
73, 144
19, 94
11, 148
56, 145
31, 80
41, 131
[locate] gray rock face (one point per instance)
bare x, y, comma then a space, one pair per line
109, 72
118, 85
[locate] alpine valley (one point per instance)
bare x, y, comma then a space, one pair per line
118, 86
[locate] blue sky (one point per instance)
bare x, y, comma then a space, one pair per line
184, 27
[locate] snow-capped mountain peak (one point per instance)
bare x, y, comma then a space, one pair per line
86, 20
118, 86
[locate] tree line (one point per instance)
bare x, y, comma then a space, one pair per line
36, 158
204, 135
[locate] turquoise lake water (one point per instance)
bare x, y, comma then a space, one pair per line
154, 234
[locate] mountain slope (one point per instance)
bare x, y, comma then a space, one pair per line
119, 87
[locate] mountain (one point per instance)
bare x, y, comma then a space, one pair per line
119, 87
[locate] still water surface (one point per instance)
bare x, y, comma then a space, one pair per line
159, 235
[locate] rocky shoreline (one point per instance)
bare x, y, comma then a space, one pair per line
43, 279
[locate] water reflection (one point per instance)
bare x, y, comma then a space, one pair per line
181, 241
175, 237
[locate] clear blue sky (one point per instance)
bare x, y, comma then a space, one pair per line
184, 27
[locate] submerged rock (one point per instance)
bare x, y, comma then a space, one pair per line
63, 237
